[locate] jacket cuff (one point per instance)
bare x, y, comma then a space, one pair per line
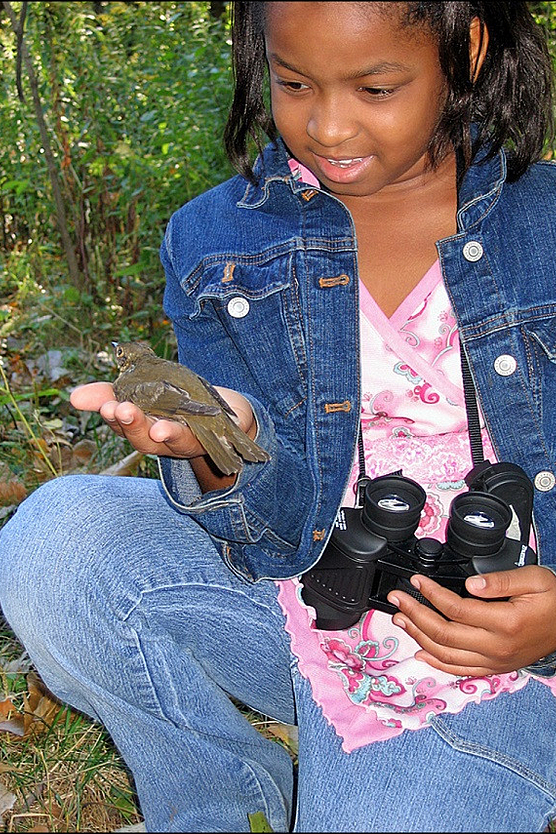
268, 503
544, 668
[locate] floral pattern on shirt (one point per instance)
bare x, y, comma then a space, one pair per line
366, 678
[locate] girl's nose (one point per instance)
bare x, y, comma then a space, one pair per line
330, 123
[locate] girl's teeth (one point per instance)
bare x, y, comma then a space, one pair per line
345, 163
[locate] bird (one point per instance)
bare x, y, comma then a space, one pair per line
162, 388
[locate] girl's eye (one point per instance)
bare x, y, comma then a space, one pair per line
293, 86
378, 92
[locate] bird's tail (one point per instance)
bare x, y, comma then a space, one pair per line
227, 446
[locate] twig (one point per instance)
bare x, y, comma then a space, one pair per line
28, 427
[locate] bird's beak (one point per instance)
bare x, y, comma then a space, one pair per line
114, 344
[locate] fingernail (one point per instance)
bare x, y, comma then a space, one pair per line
401, 623
126, 420
415, 582
476, 583
394, 600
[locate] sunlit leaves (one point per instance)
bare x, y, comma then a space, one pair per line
135, 99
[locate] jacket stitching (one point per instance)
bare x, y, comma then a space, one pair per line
503, 321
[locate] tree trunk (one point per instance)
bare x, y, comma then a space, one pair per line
75, 275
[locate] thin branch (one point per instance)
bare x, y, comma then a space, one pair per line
19, 53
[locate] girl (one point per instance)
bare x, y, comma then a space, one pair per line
398, 209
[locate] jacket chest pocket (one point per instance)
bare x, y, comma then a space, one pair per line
540, 344
257, 305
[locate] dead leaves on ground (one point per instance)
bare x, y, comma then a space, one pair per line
12, 488
7, 800
37, 713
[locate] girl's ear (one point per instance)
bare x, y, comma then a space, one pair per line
478, 45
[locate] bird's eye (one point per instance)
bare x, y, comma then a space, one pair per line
119, 351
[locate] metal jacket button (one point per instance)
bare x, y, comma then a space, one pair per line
544, 481
505, 365
473, 251
238, 307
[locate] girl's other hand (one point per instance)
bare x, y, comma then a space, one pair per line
479, 637
146, 434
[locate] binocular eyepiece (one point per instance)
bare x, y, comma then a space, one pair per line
373, 549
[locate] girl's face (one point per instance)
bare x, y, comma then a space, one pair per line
356, 96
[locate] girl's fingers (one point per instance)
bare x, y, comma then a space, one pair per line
465, 611
147, 435
178, 440
475, 637
91, 397
431, 629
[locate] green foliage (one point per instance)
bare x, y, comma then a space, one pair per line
545, 14
135, 96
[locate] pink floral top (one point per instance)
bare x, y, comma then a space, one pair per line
366, 678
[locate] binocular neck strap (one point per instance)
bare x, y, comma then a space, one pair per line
473, 427
472, 409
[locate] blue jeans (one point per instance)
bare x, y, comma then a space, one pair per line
130, 616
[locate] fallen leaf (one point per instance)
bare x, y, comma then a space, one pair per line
40, 706
10, 720
12, 491
19, 666
84, 450
258, 822
285, 732
6, 707
7, 800
15, 725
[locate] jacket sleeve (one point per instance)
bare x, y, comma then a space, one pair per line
270, 503
267, 505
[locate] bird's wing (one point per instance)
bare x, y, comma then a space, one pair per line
162, 397
185, 403
220, 400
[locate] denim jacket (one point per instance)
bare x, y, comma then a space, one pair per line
262, 288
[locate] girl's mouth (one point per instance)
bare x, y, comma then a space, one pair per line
345, 169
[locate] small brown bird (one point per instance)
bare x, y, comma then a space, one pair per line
166, 389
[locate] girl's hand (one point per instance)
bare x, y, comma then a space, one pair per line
476, 637
153, 437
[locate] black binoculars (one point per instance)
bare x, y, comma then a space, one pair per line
373, 549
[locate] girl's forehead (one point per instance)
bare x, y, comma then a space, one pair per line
348, 32
336, 20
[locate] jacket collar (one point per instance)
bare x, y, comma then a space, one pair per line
269, 168
481, 188
479, 191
